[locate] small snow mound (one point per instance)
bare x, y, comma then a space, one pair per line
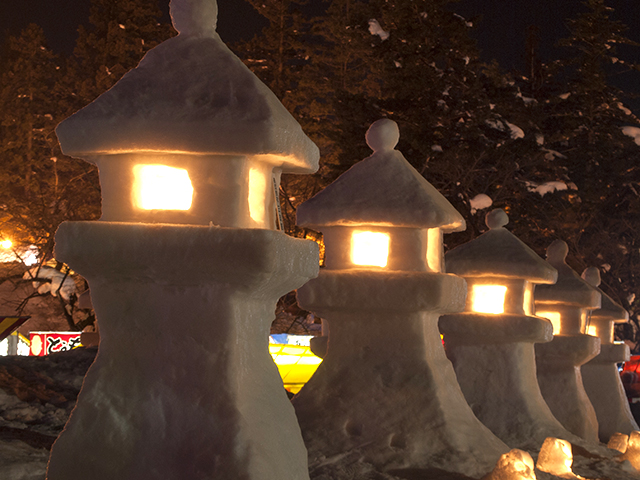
557, 252
591, 275
548, 187
194, 17
496, 218
480, 202
376, 29
383, 135
633, 132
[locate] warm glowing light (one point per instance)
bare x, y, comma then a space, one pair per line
6, 244
370, 248
514, 465
434, 249
556, 457
257, 195
592, 330
295, 363
554, 318
528, 300
159, 187
488, 298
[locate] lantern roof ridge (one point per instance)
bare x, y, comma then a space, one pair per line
499, 253
609, 308
190, 94
383, 189
571, 288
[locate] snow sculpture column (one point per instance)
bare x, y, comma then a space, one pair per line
185, 269
385, 393
567, 305
491, 343
600, 375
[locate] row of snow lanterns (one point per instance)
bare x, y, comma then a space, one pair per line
218, 164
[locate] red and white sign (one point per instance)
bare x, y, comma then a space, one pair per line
46, 343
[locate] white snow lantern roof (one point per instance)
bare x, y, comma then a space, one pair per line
382, 190
190, 95
570, 289
609, 310
499, 253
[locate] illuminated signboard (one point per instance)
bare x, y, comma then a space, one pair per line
46, 343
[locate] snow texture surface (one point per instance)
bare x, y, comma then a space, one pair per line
383, 189
499, 253
190, 94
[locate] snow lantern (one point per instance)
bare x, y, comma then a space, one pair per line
185, 269
407, 236
600, 375
173, 150
504, 394
567, 304
385, 388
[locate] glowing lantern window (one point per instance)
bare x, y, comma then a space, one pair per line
592, 330
434, 249
257, 194
488, 298
159, 187
554, 318
370, 249
528, 300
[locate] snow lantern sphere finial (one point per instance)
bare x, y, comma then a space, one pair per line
591, 275
194, 17
496, 218
383, 135
557, 252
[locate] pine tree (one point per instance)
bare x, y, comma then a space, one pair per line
39, 186
120, 33
600, 215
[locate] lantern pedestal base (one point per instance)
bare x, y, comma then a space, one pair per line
498, 376
385, 394
603, 386
558, 364
183, 386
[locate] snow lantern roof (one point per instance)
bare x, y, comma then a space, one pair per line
190, 94
383, 189
609, 309
570, 289
499, 253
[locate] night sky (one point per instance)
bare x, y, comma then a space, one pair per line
501, 30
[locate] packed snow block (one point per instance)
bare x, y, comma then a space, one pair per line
183, 385
491, 343
600, 375
385, 396
567, 304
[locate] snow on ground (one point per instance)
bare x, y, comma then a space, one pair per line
633, 132
37, 395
